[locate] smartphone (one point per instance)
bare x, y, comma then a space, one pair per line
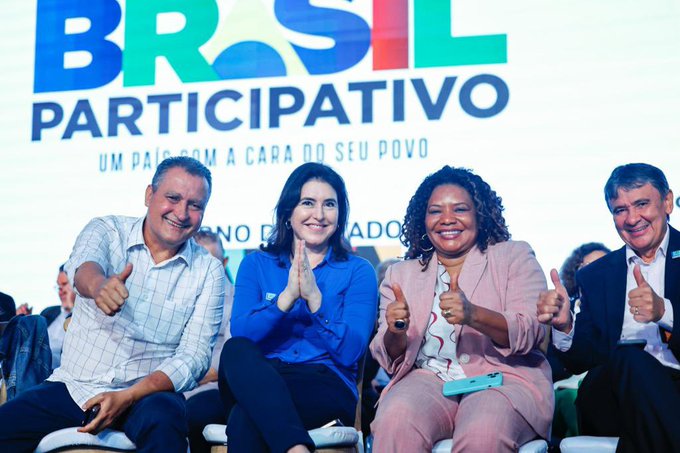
90, 414
637, 342
473, 384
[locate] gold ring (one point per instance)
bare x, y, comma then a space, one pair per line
447, 313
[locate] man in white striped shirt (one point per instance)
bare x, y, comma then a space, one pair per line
149, 304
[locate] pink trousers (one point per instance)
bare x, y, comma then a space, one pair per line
414, 415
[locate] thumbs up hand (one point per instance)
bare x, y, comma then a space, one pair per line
455, 306
397, 313
643, 302
112, 293
554, 307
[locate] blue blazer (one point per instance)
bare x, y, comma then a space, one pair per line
603, 296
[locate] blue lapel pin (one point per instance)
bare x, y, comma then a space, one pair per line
675, 254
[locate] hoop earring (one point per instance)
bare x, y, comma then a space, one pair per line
287, 224
423, 238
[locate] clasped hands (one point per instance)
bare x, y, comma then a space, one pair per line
553, 306
454, 305
301, 282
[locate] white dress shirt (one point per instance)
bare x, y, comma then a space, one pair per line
56, 333
654, 274
223, 335
168, 323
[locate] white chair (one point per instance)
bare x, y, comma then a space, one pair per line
71, 441
589, 444
535, 446
340, 439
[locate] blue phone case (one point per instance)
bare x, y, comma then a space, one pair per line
473, 384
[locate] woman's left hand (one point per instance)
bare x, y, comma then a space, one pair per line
309, 291
455, 306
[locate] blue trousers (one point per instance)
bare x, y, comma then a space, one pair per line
272, 404
156, 423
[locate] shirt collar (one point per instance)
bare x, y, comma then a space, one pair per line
631, 256
136, 238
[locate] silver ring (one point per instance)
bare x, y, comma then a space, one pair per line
637, 312
447, 313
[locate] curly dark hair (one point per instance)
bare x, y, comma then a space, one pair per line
573, 264
491, 227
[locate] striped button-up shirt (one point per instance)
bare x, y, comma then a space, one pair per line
168, 323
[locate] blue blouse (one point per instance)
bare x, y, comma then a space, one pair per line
336, 336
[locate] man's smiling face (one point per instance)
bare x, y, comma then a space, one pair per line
640, 218
175, 210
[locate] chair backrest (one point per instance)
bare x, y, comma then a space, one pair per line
360, 387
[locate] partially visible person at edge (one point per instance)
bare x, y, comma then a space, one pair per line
148, 307
632, 293
204, 405
565, 421
304, 310
466, 295
579, 258
56, 316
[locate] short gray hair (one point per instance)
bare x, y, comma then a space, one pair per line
189, 164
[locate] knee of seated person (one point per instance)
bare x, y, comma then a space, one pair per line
164, 409
627, 356
392, 410
237, 346
237, 351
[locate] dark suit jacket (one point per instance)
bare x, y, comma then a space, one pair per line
603, 301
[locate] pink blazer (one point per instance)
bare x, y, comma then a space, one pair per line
506, 278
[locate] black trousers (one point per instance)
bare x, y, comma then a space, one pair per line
203, 409
272, 404
634, 397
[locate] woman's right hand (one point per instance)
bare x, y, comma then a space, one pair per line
397, 313
291, 292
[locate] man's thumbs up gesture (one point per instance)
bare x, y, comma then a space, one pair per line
455, 306
111, 295
554, 307
644, 303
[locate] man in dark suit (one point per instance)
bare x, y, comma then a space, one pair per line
628, 296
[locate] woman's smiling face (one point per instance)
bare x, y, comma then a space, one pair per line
315, 218
451, 221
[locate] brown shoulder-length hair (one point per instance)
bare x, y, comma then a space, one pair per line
491, 227
281, 237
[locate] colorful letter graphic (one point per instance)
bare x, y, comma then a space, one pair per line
434, 45
52, 44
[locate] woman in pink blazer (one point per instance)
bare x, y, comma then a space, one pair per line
462, 304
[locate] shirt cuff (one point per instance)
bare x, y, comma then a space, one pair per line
562, 341
666, 320
321, 316
179, 374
